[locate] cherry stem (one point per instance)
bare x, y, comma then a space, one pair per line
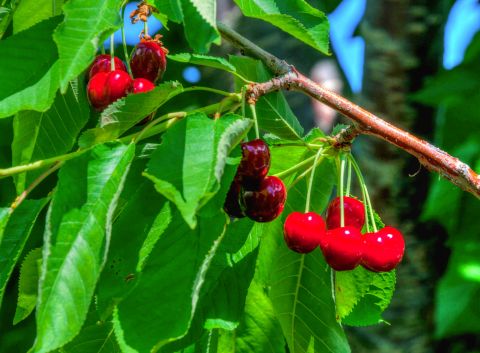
366, 196
145, 28
310, 183
349, 177
294, 168
255, 120
112, 52
244, 91
341, 191
124, 42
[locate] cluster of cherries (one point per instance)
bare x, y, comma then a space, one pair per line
253, 193
106, 85
345, 247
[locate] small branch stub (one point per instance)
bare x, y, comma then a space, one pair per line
142, 12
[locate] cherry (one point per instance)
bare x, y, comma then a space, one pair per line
149, 60
96, 91
255, 162
106, 87
102, 64
303, 232
383, 250
354, 213
141, 85
265, 202
343, 248
232, 201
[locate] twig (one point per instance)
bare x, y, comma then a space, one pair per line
367, 123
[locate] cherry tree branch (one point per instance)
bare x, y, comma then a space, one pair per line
365, 122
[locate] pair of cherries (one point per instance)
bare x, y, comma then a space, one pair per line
344, 248
105, 86
253, 193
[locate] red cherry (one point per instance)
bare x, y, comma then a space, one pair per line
303, 231
383, 250
343, 248
232, 201
102, 64
255, 162
96, 91
354, 213
141, 85
117, 85
148, 60
265, 202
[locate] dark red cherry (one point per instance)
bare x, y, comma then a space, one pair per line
141, 85
303, 232
96, 91
232, 201
255, 162
102, 64
343, 248
354, 213
265, 202
149, 60
383, 250
117, 85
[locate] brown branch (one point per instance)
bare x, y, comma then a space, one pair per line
430, 156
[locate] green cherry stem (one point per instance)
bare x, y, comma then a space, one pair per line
244, 92
255, 120
341, 191
349, 177
366, 197
145, 28
124, 43
112, 52
310, 183
294, 168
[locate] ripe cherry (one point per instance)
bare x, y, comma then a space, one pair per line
265, 202
141, 85
102, 64
106, 87
232, 201
343, 248
354, 213
255, 162
303, 232
383, 250
149, 60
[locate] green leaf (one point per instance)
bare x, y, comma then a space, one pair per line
171, 8
273, 112
76, 240
146, 215
204, 60
39, 135
33, 88
260, 330
96, 336
126, 112
30, 12
296, 17
200, 22
172, 278
15, 235
86, 24
188, 166
28, 285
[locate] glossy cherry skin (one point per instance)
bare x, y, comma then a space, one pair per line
117, 85
142, 85
232, 201
343, 248
265, 202
255, 162
96, 91
102, 64
383, 250
303, 231
148, 61
354, 213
